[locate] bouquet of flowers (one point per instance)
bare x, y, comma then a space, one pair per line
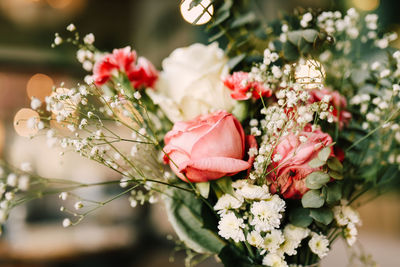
260, 152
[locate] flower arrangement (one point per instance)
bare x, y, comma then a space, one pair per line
260, 152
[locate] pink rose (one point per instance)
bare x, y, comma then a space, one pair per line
287, 176
141, 73
337, 101
243, 89
207, 148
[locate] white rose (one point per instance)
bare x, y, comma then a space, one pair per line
191, 82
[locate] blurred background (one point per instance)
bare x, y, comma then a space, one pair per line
118, 235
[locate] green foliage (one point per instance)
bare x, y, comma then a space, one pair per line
322, 215
204, 189
185, 215
313, 199
334, 193
300, 217
231, 255
316, 180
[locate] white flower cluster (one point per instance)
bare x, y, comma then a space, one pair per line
12, 183
254, 216
278, 122
348, 218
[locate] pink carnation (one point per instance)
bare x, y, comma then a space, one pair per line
208, 147
243, 88
142, 74
287, 176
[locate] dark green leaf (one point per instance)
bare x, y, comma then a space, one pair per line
336, 175
290, 51
334, 193
232, 256
335, 165
316, 180
225, 184
322, 215
300, 217
313, 199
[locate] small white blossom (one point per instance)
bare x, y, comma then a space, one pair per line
35, 103
254, 238
89, 39
274, 260
227, 201
319, 245
63, 196
231, 227
66, 223
71, 27
78, 205
12, 179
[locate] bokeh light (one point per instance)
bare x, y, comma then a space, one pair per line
25, 122
310, 73
366, 5
59, 4
40, 86
191, 14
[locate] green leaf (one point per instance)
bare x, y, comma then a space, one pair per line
235, 60
322, 215
225, 184
310, 35
204, 189
185, 215
334, 193
294, 37
290, 51
194, 3
300, 217
323, 155
335, 165
316, 180
232, 256
240, 111
336, 175
244, 19
313, 199
216, 36
316, 163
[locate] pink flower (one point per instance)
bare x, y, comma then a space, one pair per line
145, 75
207, 148
243, 89
338, 102
142, 74
287, 176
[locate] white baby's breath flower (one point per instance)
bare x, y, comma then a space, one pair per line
319, 245
63, 196
66, 223
58, 40
35, 103
12, 179
78, 205
230, 227
71, 27
89, 39
23, 183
